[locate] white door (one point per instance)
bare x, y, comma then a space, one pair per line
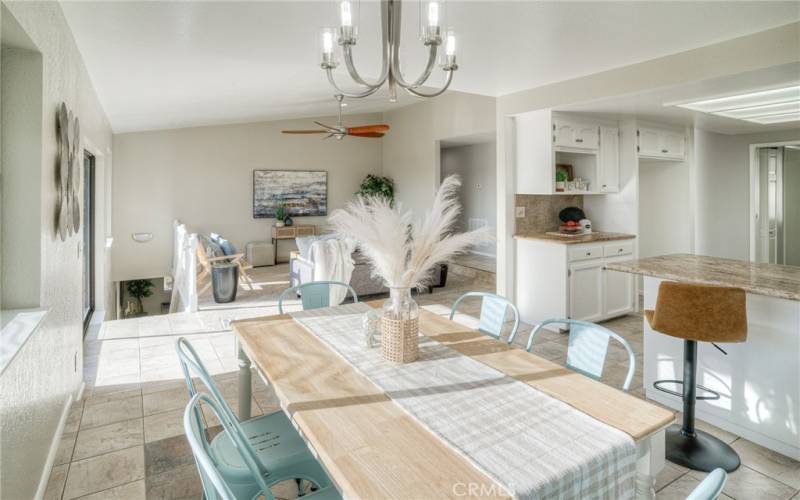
564, 134
649, 142
609, 160
575, 135
586, 136
618, 291
586, 290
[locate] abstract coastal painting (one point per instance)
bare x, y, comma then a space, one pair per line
301, 192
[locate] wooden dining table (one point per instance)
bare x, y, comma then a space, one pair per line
372, 448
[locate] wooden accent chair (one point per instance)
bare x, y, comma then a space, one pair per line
706, 314
206, 262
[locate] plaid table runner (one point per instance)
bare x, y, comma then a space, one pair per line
533, 445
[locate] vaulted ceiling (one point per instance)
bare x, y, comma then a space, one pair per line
177, 64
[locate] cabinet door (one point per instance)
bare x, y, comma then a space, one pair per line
618, 291
586, 136
564, 133
608, 159
649, 142
673, 144
586, 290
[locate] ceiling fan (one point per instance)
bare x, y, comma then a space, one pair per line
340, 131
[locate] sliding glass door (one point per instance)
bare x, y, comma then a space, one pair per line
88, 239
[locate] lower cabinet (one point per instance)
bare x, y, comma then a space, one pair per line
556, 280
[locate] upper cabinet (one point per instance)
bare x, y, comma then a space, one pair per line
661, 143
571, 134
586, 149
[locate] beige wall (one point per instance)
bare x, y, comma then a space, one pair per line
204, 177
47, 370
411, 148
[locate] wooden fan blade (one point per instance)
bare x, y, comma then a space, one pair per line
367, 134
304, 131
368, 128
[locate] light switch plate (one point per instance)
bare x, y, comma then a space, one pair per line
519, 212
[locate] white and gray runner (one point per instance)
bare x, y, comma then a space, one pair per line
534, 445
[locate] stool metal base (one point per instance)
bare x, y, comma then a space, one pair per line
702, 451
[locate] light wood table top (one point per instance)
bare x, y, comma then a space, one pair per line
370, 446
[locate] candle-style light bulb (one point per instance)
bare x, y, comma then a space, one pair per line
433, 14
347, 14
450, 45
327, 42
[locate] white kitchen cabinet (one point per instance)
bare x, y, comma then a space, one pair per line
661, 143
586, 290
608, 160
544, 139
574, 134
558, 280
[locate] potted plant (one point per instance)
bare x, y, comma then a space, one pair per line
280, 216
139, 289
561, 180
375, 185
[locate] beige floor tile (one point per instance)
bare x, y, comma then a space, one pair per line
109, 395
162, 401
129, 491
165, 454
55, 485
107, 438
766, 461
65, 447
745, 483
668, 474
74, 417
163, 425
112, 411
549, 350
105, 471
177, 483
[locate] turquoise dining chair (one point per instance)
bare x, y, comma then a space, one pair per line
217, 485
493, 313
710, 488
272, 438
587, 348
315, 294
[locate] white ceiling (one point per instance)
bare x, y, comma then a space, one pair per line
656, 105
176, 64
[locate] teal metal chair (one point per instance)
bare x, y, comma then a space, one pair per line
710, 488
587, 348
272, 439
217, 485
493, 313
315, 294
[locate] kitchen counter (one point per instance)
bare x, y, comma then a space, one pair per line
761, 279
759, 379
571, 240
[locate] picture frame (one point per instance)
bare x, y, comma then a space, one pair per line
303, 193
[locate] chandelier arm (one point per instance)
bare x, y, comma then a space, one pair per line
352, 95
436, 93
384, 74
425, 74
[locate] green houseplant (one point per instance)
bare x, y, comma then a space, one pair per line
139, 289
375, 185
280, 215
561, 180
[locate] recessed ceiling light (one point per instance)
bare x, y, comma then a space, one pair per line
765, 106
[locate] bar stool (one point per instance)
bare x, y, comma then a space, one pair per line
698, 313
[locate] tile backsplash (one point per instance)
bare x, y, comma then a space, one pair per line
541, 211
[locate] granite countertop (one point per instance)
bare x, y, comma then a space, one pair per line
761, 279
571, 240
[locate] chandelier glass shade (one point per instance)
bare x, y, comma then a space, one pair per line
431, 35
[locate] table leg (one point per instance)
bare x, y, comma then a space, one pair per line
275, 251
245, 383
649, 462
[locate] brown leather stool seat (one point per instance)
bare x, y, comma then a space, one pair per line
706, 314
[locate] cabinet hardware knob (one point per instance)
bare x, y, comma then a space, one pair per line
604, 185
665, 151
578, 140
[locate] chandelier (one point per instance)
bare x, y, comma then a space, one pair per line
431, 35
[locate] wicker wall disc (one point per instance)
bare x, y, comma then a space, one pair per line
400, 340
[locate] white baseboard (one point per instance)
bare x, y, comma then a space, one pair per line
54, 444
79, 392
485, 254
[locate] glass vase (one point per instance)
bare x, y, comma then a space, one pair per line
400, 327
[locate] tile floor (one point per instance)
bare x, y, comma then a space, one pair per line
125, 441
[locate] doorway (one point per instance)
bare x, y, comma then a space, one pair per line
775, 189
88, 238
